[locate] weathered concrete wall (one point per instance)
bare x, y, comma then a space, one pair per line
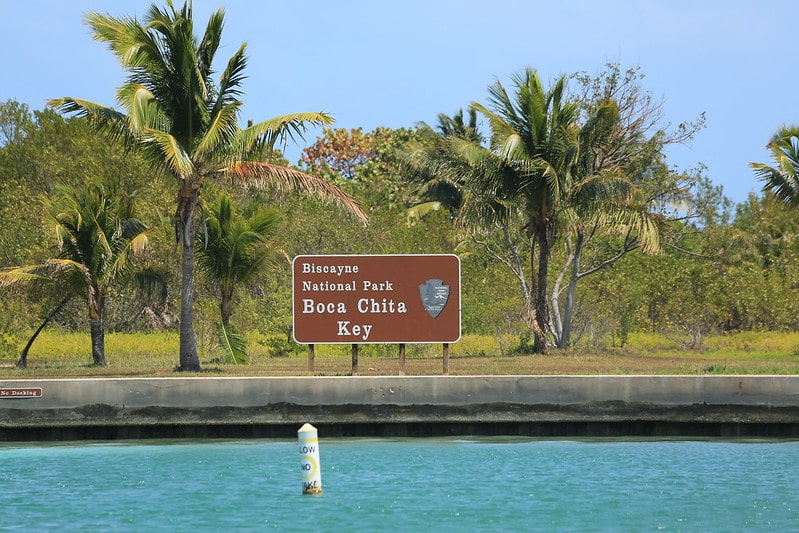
505, 404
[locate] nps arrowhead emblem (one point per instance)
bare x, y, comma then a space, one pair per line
434, 295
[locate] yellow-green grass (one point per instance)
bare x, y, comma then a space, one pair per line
748, 345
65, 355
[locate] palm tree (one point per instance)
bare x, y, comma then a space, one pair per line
546, 166
236, 251
432, 163
97, 238
188, 124
782, 179
528, 168
522, 172
22, 362
572, 170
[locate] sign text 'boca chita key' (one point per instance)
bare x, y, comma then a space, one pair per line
376, 299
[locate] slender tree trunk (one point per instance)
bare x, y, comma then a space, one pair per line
189, 198
530, 307
534, 317
23, 356
571, 292
541, 293
556, 322
515, 263
226, 306
97, 330
97, 326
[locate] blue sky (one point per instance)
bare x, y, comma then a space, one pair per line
373, 63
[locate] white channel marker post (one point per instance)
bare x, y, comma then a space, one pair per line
309, 459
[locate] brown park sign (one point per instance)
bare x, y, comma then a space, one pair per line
374, 299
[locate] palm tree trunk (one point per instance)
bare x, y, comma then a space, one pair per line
23, 356
541, 303
226, 306
97, 330
97, 326
189, 198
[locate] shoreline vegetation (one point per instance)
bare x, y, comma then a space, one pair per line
64, 355
576, 235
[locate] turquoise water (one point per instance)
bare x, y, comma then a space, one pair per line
403, 485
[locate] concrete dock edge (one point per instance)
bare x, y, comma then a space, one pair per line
112, 408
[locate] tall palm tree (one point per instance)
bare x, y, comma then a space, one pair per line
188, 124
782, 179
97, 238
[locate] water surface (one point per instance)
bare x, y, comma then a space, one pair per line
480, 484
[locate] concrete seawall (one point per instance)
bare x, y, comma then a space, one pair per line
390, 406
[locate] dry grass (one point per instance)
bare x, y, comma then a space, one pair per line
66, 356
577, 364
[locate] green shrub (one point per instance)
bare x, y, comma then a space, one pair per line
282, 347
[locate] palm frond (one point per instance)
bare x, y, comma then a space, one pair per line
232, 77
67, 273
103, 117
417, 212
266, 221
237, 251
144, 113
212, 37
512, 148
175, 157
261, 138
220, 133
232, 345
474, 155
129, 246
23, 276
642, 224
499, 126
151, 284
122, 35
782, 179
284, 179
784, 187
71, 270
